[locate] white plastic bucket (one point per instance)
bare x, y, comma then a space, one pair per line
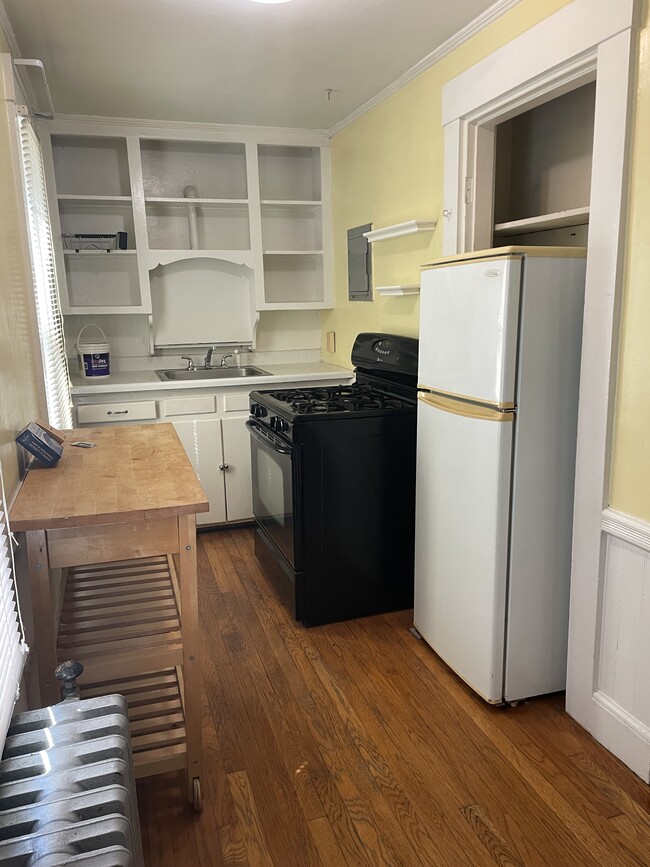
94, 358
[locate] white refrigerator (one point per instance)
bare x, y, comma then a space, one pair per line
499, 368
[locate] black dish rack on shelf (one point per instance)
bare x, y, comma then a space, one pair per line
84, 241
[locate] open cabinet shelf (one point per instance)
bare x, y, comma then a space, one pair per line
542, 176
558, 220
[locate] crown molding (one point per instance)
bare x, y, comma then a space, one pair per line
188, 129
479, 23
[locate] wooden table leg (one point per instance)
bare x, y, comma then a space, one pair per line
44, 639
187, 579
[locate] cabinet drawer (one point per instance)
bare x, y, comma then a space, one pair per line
126, 411
236, 402
190, 405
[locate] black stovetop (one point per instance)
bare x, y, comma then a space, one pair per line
386, 383
352, 398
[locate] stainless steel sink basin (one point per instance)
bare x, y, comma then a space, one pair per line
211, 373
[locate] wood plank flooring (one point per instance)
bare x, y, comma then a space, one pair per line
352, 744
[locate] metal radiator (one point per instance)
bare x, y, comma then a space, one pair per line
67, 790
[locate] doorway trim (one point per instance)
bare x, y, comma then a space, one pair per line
583, 41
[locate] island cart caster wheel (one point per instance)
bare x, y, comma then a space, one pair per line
197, 800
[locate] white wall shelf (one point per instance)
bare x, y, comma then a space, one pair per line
557, 220
292, 203
396, 231
194, 201
407, 289
293, 252
89, 200
99, 253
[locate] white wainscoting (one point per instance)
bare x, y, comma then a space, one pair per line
622, 672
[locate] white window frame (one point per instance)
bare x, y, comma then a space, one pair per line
584, 40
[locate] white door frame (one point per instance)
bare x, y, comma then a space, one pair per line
583, 41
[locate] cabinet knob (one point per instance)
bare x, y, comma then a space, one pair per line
223, 467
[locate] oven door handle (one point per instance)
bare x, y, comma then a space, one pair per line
257, 431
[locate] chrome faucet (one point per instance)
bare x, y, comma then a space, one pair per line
224, 363
207, 363
190, 362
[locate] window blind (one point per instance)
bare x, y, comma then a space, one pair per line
13, 650
48, 310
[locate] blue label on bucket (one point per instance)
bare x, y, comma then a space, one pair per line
96, 363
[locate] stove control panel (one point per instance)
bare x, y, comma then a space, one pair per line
381, 352
270, 420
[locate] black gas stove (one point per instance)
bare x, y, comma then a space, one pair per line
334, 486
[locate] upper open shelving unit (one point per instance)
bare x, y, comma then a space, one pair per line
260, 206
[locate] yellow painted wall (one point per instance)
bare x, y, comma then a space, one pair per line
630, 489
20, 376
387, 167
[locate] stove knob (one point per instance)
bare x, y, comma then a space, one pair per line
259, 411
278, 424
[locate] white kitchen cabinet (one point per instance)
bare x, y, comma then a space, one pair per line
184, 196
237, 469
295, 220
91, 192
220, 452
196, 195
201, 440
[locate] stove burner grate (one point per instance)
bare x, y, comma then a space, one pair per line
342, 398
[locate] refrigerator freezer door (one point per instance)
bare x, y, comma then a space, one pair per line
468, 329
464, 458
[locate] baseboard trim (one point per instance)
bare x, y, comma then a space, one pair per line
623, 734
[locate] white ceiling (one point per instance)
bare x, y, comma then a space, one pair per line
230, 61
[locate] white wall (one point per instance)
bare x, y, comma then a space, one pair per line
282, 336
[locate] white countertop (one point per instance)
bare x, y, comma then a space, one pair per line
147, 380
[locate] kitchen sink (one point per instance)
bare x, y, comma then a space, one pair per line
210, 373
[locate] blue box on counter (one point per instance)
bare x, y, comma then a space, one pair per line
40, 443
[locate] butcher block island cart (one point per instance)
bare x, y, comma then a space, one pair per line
120, 519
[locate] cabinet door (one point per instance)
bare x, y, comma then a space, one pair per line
202, 442
237, 457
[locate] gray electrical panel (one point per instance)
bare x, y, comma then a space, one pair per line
359, 264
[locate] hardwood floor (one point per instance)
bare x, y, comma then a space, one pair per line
352, 744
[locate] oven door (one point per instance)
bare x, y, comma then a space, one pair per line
273, 464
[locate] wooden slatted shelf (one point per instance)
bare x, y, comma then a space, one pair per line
156, 717
121, 620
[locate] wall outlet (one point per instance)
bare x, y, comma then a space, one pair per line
331, 341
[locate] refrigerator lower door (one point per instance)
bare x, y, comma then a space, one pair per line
464, 458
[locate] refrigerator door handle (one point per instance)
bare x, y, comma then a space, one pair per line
466, 397
467, 410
